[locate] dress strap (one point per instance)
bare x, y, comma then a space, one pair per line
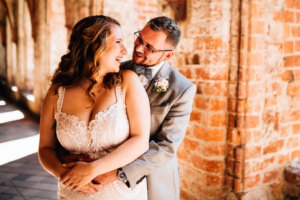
119, 94
61, 94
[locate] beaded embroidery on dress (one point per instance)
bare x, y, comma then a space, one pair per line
109, 129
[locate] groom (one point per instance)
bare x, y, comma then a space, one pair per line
170, 111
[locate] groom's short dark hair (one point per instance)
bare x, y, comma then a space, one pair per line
169, 27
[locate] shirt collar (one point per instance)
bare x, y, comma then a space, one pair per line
156, 68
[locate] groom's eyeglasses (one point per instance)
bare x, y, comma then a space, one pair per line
138, 40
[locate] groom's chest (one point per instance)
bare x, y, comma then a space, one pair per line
159, 108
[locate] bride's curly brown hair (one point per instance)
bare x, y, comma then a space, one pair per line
87, 44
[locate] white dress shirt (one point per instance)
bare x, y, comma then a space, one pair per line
145, 82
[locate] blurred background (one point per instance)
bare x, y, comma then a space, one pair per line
243, 138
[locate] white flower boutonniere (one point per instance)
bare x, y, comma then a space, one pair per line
161, 85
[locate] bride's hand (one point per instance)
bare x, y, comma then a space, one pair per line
81, 174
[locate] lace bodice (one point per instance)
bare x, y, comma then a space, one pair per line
100, 136
108, 130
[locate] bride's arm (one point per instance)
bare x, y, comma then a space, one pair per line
48, 142
138, 111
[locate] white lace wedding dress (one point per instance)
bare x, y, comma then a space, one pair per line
102, 135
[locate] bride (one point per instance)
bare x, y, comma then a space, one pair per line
99, 111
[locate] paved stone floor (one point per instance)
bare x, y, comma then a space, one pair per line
23, 179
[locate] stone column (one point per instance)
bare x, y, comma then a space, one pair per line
2, 58
2, 46
29, 51
58, 34
40, 56
9, 50
21, 59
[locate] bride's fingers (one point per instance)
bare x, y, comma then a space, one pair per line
71, 186
69, 182
69, 165
77, 187
79, 184
85, 189
65, 177
95, 188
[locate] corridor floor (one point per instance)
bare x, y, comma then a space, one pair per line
23, 178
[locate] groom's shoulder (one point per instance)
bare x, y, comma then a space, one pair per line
179, 81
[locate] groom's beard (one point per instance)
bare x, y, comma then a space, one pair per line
145, 59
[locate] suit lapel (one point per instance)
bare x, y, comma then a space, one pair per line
163, 72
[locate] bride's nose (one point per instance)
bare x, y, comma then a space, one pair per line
124, 50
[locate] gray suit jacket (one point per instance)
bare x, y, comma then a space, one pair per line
170, 113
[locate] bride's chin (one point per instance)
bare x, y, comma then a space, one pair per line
117, 69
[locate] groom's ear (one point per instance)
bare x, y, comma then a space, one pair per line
168, 55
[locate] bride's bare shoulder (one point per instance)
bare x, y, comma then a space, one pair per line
128, 74
52, 93
129, 77
131, 82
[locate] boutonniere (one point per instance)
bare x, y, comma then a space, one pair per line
161, 85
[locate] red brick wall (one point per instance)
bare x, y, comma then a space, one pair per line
268, 120
146, 10
246, 116
203, 56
